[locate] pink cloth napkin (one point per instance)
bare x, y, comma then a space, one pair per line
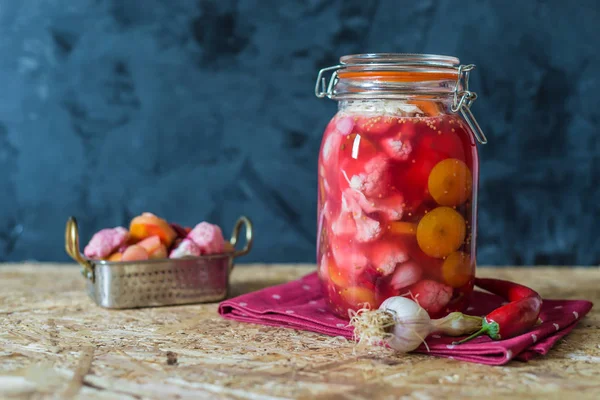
300, 305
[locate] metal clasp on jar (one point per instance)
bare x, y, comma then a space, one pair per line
463, 100
322, 89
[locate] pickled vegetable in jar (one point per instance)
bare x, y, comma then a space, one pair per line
398, 174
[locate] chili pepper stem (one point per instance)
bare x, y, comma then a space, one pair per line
489, 328
472, 336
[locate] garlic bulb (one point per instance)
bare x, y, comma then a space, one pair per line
411, 323
403, 324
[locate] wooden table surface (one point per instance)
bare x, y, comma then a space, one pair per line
55, 341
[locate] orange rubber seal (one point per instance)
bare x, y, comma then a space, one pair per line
398, 76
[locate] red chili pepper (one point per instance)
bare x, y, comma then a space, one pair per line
511, 319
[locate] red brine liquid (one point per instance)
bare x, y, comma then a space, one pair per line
397, 211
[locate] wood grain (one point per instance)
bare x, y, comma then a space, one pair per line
55, 341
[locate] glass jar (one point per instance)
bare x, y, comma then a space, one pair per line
398, 174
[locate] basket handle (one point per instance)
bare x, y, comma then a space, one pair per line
72, 246
247, 224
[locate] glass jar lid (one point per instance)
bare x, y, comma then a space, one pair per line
400, 59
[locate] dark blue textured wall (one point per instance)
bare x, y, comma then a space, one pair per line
205, 110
